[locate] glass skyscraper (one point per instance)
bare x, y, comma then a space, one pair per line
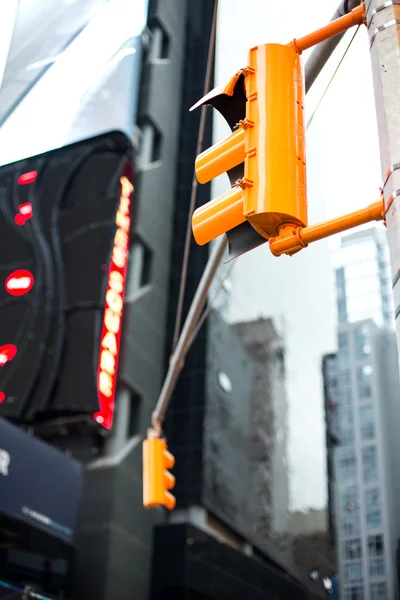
362, 271
367, 394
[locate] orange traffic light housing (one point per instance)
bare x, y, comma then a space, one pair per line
264, 155
157, 480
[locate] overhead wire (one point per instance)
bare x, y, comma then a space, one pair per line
310, 120
193, 194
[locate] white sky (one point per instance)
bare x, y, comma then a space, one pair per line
343, 175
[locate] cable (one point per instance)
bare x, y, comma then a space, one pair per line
332, 78
193, 193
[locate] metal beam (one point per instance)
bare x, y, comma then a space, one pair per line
196, 308
321, 54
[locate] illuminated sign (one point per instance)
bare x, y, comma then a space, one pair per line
7, 353
19, 219
26, 178
26, 210
114, 304
19, 282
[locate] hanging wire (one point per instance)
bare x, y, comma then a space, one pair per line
332, 78
193, 194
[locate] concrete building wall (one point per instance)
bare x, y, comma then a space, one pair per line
269, 501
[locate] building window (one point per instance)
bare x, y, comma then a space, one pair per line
375, 545
350, 526
352, 549
346, 437
353, 593
367, 422
160, 41
349, 499
352, 572
378, 591
348, 467
372, 507
345, 417
361, 341
376, 567
140, 266
368, 431
370, 464
374, 519
364, 382
150, 143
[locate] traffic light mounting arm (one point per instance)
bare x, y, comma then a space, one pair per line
292, 239
340, 25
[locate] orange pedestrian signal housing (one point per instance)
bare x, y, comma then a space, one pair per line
264, 155
157, 480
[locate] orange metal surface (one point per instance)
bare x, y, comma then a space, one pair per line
221, 157
355, 17
292, 238
156, 478
227, 89
218, 216
275, 164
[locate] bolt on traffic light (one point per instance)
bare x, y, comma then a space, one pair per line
157, 479
264, 156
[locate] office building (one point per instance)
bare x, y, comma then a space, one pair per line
363, 383
363, 283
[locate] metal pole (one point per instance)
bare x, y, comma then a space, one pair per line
178, 357
383, 20
321, 54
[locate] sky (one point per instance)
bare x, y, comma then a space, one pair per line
343, 175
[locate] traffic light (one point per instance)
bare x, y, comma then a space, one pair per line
264, 155
157, 480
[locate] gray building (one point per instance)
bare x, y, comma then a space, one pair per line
268, 506
365, 389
